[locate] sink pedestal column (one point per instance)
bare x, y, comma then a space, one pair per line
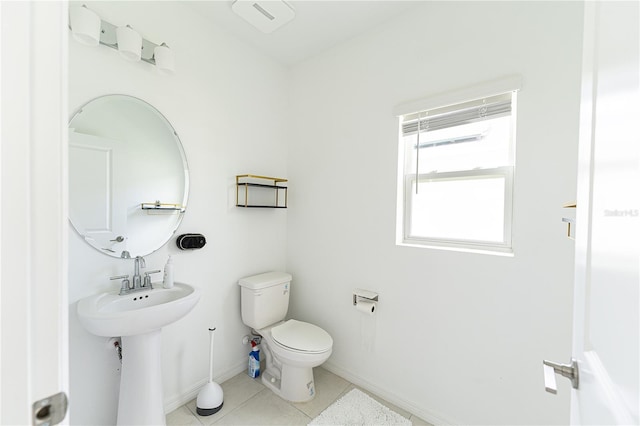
141, 401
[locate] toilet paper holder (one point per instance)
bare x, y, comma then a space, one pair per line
364, 295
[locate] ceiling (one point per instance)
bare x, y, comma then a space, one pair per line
317, 26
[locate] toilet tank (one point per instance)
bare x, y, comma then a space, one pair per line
264, 298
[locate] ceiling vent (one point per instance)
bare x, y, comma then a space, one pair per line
265, 15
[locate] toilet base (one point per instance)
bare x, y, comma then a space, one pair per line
296, 383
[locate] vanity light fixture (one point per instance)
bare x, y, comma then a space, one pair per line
129, 43
163, 56
85, 25
88, 28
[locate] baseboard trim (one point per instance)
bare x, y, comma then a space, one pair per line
191, 392
426, 415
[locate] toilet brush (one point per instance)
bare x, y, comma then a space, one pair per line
211, 397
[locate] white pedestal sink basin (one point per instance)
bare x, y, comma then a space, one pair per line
138, 318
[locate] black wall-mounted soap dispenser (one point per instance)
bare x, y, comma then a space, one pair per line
191, 241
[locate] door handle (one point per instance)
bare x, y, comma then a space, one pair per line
50, 411
569, 371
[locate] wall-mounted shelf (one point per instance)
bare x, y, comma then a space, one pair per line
165, 207
266, 192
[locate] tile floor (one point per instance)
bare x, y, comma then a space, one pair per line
248, 402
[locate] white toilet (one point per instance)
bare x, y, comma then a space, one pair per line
292, 348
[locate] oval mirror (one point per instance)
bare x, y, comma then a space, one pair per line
128, 176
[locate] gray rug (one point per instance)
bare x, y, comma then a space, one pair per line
358, 408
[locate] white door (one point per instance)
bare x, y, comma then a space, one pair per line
606, 320
33, 214
97, 215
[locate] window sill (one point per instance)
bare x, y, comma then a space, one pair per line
493, 251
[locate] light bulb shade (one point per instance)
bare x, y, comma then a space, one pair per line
85, 25
129, 43
163, 56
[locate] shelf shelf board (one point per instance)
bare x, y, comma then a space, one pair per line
262, 185
261, 206
275, 179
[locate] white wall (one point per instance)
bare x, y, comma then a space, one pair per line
458, 337
227, 103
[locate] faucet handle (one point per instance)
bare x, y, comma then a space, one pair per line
147, 278
125, 283
119, 277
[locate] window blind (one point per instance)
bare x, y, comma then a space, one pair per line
456, 115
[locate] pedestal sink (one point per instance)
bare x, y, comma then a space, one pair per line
138, 319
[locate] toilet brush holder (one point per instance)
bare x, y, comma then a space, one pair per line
211, 397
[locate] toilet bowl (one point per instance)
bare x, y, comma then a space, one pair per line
292, 348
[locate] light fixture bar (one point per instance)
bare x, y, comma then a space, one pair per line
108, 38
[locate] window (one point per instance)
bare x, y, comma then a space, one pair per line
457, 174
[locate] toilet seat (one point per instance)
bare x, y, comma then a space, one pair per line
301, 337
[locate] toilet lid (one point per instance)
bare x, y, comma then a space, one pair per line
302, 336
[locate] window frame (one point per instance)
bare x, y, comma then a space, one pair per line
407, 177
505, 246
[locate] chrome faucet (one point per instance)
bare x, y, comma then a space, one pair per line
138, 283
138, 262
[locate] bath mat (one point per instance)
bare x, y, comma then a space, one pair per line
358, 408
